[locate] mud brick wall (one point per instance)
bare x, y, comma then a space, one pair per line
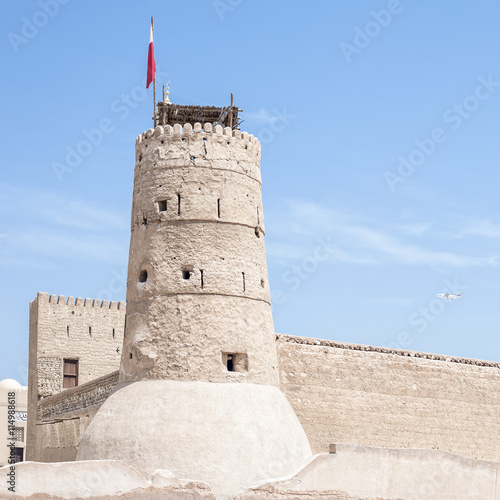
346, 393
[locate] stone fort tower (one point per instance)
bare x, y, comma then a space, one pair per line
198, 295
198, 391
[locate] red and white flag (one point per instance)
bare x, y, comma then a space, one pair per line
151, 58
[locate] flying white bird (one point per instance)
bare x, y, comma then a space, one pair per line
449, 296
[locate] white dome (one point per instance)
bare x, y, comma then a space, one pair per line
10, 385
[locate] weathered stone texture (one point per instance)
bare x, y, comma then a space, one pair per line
80, 398
343, 393
52, 370
97, 480
64, 417
185, 334
197, 279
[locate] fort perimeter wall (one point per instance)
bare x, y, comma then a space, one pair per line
342, 393
348, 393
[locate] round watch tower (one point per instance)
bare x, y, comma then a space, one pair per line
198, 301
198, 386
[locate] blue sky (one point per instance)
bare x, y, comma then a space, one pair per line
379, 122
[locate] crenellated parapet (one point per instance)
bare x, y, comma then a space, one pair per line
71, 302
206, 128
198, 146
200, 173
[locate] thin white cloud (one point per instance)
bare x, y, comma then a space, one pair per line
41, 225
361, 241
484, 228
58, 210
418, 229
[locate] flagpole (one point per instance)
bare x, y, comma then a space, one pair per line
154, 80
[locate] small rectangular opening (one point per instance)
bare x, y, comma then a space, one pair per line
235, 361
162, 206
178, 204
186, 274
201, 276
243, 279
90, 331
218, 208
18, 454
70, 373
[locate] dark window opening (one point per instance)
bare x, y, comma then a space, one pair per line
257, 232
130, 356
162, 206
113, 333
186, 274
143, 276
67, 331
262, 283
243, 279
70, 373
235, 362
178, 204
90, 331
201, 273
18, 454
218, 208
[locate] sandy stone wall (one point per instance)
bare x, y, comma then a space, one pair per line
63, 418
346, 393
343, 393
87, 330
80, 398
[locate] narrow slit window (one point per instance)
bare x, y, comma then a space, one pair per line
90, 331
162, 206
243, 280
113, 333
230, 363
67, 331
178, 204
218, 208
201, 275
